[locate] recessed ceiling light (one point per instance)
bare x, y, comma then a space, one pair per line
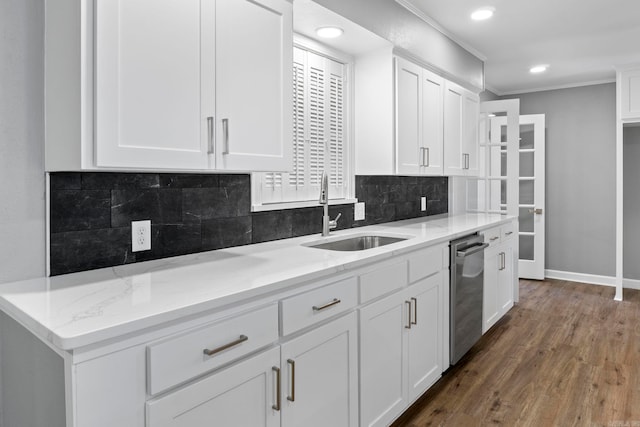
483, 13
538, 69
329, 32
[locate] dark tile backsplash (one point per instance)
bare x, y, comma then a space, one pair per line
91, 213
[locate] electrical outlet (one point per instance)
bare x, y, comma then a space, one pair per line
358, 211
423, 204
140, 235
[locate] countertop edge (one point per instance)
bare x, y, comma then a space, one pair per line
67, 343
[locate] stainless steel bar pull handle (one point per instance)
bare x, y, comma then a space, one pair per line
241, 339
225, 135
277, 405
415, 311
292, 396
408, 326
536, 211
508, 233
327, 305
210, 134
424, 152
470, 250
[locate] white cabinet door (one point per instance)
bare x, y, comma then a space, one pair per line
630, 94
498, 283
408, 117
320, 376
425, 336
505, 280
242, 395
461, 119
490, 308
254, 55
383, 387
470, 141
153, 83
431, 156
419, 98
453, 151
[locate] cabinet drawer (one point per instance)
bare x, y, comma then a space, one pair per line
181, 358
426, 262
305, 309
507, 231
492, 235
382, 281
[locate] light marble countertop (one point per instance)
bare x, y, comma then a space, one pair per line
79, 309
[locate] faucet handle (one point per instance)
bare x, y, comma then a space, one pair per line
334, 222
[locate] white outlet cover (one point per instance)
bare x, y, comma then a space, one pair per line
140, 235
358, 211
423, 204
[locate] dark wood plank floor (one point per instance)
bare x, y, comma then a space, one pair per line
566, 355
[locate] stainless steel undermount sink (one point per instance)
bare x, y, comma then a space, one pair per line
356, 243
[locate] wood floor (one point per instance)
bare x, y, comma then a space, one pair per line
565, 355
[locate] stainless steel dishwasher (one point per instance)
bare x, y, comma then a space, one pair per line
466, 293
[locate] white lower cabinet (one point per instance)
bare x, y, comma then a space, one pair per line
383, 389
242, 395
320, 376
308, 381
401, 338
353, 349
498, 283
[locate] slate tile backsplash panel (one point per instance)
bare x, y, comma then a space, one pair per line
91, 213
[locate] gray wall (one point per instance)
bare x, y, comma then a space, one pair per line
22, 211
580, 176
405, 30
631, 203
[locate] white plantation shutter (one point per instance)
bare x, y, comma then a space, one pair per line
316, 120
318, 133
336, 130
297, 176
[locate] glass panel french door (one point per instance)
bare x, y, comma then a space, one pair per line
531, 209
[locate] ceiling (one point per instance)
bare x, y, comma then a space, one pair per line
308, 16
581, 40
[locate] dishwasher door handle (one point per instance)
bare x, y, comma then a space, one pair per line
470, 250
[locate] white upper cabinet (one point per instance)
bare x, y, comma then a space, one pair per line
432, 123
169, 84
254, 53
461, 116
408, 116
419, 141
153, 83
629, 82
470, 136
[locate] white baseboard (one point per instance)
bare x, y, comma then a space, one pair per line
631, 284
591, 279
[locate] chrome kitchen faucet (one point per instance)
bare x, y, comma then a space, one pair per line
327, 223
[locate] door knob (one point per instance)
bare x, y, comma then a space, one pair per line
536, 211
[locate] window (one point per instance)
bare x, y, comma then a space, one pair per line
320, 136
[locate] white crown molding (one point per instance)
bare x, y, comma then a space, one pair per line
436, 25
557, 87
626, 67
492, 89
